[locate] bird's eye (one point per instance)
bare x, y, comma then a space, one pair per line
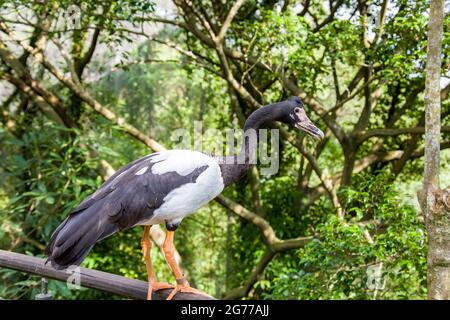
297, 110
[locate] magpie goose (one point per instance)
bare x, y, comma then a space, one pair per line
162, 188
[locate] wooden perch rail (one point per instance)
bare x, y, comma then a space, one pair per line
89, 278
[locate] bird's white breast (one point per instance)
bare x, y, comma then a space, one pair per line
189, 197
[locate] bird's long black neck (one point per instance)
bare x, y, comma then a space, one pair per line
235, 167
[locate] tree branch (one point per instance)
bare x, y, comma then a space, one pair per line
255, 276
265, 228
330, 16
382, 19
326, 182
394, 132
87, 56
219, 38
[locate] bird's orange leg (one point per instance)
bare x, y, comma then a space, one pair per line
146, 249
182, 284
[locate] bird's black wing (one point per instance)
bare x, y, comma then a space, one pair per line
128, 198
110, 184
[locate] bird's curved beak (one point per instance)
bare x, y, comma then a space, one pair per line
306, 125
311, 129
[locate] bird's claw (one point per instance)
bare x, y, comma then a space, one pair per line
155, 286
186, 288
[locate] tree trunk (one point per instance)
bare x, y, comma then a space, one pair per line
435, 202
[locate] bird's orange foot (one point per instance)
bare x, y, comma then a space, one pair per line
155, 286
161, 285
183, 286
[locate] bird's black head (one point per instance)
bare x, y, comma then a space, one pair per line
292, 112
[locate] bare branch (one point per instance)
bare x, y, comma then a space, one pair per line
255, 276
258, 271
49, 103
265, 228
232, 80
330, 16
81, 64
305, 8
219, 38
194, 57
187, 4
382, 18
363, 120
394, 132
326, 182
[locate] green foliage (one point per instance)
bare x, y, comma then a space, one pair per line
44, 172
340, 263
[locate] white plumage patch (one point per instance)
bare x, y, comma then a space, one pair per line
189, 197
182, 162
141, 171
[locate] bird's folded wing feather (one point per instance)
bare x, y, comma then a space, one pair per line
135, 191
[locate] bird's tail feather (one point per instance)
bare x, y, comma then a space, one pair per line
75, 237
